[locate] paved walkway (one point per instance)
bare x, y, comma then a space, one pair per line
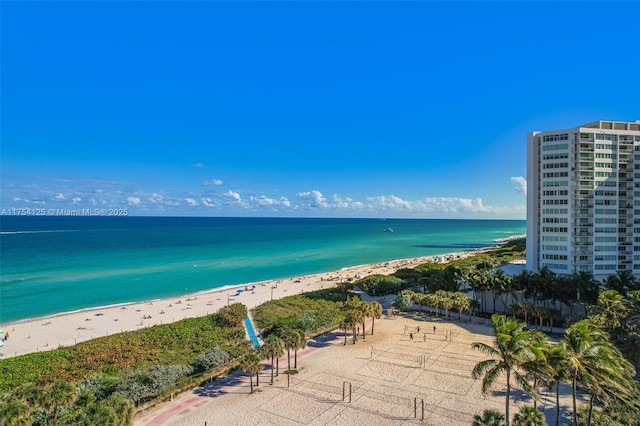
186, 402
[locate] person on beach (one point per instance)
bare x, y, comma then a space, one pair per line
434, 329
411, 336
418, 329
424, 337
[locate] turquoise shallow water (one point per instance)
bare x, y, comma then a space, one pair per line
50, 265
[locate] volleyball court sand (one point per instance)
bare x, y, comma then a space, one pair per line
386, 373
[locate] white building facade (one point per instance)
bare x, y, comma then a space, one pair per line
583, 199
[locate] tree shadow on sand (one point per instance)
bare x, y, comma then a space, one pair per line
221, 386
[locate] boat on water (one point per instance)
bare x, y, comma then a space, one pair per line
387, 230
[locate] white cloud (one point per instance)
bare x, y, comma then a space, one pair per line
265, 201
231, 195
346, 203
208, 202
520, 183
76, 200
389, 203
314, 198
212, 182
156, 198
60, 197
198, 165
435, 206
134, 201
191, 201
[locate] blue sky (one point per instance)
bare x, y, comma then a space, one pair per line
319, 109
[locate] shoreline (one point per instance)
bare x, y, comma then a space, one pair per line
69, 328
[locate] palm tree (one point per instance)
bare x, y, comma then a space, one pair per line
60, 394
610, 310
594, 362
273, 347
499, 283
622, 281
301, 343
290, 338
538, 371
479, 281
540, 312
489, 418
556, 371
433, 301
462, 303
504, 286
523, 308
366, 311
445, 301
31, 394
97, 414
419, 299
251, 365
376, 313
513, 346
354, 314
529, 416
544, 280
14, 413
123, 409
345, 325
585, 286
522, 282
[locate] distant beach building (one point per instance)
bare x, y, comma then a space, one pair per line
583, 199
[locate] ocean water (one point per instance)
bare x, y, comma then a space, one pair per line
51, 265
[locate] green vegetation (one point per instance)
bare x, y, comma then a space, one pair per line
381, 285
512, 349
230, 316
585, 357
105, 378
309, 312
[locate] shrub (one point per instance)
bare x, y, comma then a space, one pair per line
382, 284
231, 316
210, 360
403, 302
100, 385
143, 385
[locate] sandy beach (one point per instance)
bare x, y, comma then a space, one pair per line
68, 329
386, 373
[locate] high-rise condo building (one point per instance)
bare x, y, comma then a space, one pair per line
583, 199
